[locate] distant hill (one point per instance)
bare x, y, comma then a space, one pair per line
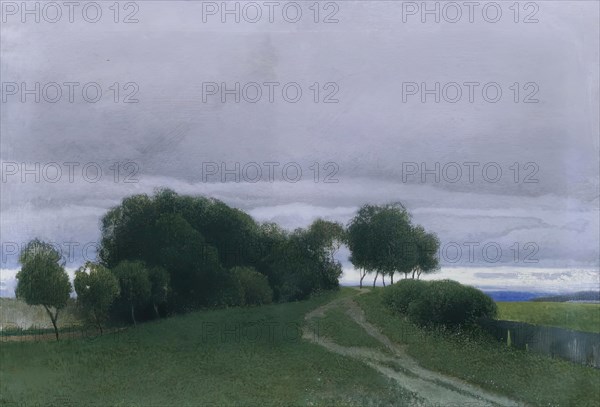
578, 296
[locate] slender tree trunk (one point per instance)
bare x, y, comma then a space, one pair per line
413, 274
392, 278
133, 316
383, 279
53, 318
363, 274
98, 323
375, 279
156, 310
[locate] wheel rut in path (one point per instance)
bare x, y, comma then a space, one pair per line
434, 388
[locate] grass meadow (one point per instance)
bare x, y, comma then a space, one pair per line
237, 356
256, 357
575, 316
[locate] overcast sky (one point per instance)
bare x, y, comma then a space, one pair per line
542, 211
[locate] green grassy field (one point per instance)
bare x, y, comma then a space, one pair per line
576, 316
535, 379
237, 356
256, 357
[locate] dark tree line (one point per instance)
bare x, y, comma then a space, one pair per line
199, 241
169, 253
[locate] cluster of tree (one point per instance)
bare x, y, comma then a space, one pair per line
383, 240
203, 245
43, 281
167, 253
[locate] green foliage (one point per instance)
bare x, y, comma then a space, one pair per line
301, 265
327, 236
254, 287
383, 239
449, 303
42, 280
134, 284
398, 296
426, 246
231, 292
159, 286
361, 238
134, 281
96, 289
37, 249
324, 238
127, 231
232, 232
197, 239
192, 264
440, 302
393, 249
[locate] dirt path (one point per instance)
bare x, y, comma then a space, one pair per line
435, 388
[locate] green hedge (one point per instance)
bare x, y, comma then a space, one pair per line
398, 296
442, 302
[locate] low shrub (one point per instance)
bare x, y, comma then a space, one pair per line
398, 296
254, 286
444, 302
451, 304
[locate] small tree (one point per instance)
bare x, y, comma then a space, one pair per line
159, 287
377, 237
134, 283
427, 246
255, 289
96, 289
42, 279
360, 238
393, 234
328, 236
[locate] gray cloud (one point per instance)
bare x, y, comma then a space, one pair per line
371, 135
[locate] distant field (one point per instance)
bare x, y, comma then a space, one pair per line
576, 316
17, 314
